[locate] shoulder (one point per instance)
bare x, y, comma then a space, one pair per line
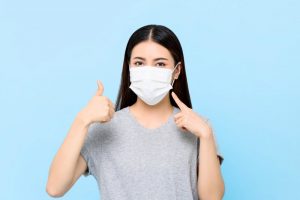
119, 117
102, 127
121, 113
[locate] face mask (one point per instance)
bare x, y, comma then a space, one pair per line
151, 84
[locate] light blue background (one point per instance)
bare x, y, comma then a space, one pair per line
242, 62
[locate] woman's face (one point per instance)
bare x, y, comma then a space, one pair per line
153, 54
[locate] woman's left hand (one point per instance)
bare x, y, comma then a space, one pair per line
188, 120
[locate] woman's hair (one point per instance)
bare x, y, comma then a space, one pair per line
165, 37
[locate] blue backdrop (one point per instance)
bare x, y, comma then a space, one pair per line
242, 62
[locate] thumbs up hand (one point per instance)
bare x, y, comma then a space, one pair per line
188, 120
99, 108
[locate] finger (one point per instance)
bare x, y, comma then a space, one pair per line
180, 104
176, 121
178, 115
180, 124
112, 104
100, 88
178, 118
111, 107
111, 112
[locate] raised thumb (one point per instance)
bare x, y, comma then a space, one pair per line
100, 88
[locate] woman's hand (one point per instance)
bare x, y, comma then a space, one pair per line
187, 119
99, 108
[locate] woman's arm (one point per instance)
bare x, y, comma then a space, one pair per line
67, 165
210, 182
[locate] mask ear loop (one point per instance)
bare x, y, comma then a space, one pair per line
173, 72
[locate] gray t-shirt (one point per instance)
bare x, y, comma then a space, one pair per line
132, 162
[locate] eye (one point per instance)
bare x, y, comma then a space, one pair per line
160, 64
138, 63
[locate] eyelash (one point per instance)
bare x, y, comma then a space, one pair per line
137, 62
163, 64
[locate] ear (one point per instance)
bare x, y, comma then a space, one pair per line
177, 70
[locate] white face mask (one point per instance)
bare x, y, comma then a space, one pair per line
151, 84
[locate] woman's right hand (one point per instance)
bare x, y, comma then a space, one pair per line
99, 108
68, 165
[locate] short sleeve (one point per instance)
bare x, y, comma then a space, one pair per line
219, 153
87, 150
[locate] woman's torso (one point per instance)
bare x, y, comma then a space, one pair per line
131, 162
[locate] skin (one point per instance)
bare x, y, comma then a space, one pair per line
146, 53
210, 181
68, 165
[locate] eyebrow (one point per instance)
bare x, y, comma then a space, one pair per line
153, 59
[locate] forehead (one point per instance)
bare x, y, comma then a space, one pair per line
150, 50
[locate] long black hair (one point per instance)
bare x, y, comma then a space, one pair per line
165, 37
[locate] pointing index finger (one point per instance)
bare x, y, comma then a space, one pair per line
180, 104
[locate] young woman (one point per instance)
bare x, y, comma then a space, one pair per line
151, 144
